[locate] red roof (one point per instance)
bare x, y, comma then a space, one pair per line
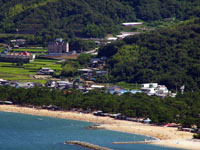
25, 53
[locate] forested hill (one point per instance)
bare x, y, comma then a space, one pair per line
149, 10
92, 18
169, 56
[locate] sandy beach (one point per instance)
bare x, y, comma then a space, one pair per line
168, 136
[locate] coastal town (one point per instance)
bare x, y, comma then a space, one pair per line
85, 83
102, 75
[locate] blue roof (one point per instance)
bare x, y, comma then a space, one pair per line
4, 51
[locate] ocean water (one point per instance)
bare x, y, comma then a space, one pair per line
28, 132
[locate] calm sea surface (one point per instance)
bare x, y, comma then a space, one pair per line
27, 132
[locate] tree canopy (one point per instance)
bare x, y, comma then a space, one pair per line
183, 109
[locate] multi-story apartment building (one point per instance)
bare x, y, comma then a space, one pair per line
59, 46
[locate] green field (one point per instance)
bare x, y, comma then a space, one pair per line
34, 50
129, 86
10, 71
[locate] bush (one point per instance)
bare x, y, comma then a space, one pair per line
196, 136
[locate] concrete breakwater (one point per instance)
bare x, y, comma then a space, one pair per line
88, 145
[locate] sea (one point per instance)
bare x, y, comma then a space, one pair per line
29, 132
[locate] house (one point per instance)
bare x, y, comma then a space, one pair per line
85, 70
162, 91
18, 42
149, 88
11, 83
125, 34
97, 86
94, 62
86, 73
59, 46
3, 82
25, 85
111, 39
51, 84
101, 73
8, 56
63, 85
45, 71
97, 62
149, 85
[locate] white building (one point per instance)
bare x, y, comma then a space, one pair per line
155, 89
45, 71
132, 23
149, 85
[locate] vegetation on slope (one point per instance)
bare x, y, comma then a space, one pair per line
169, 56
49, 17
149, 10
87, 18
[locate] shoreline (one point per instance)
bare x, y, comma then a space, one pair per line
165, 136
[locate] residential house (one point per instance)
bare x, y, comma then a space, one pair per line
18, 42
45, 71
97, 62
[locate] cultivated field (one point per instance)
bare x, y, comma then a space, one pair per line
25, 72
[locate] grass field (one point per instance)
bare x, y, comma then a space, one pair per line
33, 50
10, 71
129, 86
14, 36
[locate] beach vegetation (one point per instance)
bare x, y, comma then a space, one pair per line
184, 109
196, 136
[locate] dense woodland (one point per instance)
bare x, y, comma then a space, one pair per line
88, 18
48, 19
169, 56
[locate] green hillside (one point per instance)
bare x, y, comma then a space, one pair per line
170, 56
86, 18
149, 10
72, 17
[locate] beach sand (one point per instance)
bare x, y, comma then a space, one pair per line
168, 136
